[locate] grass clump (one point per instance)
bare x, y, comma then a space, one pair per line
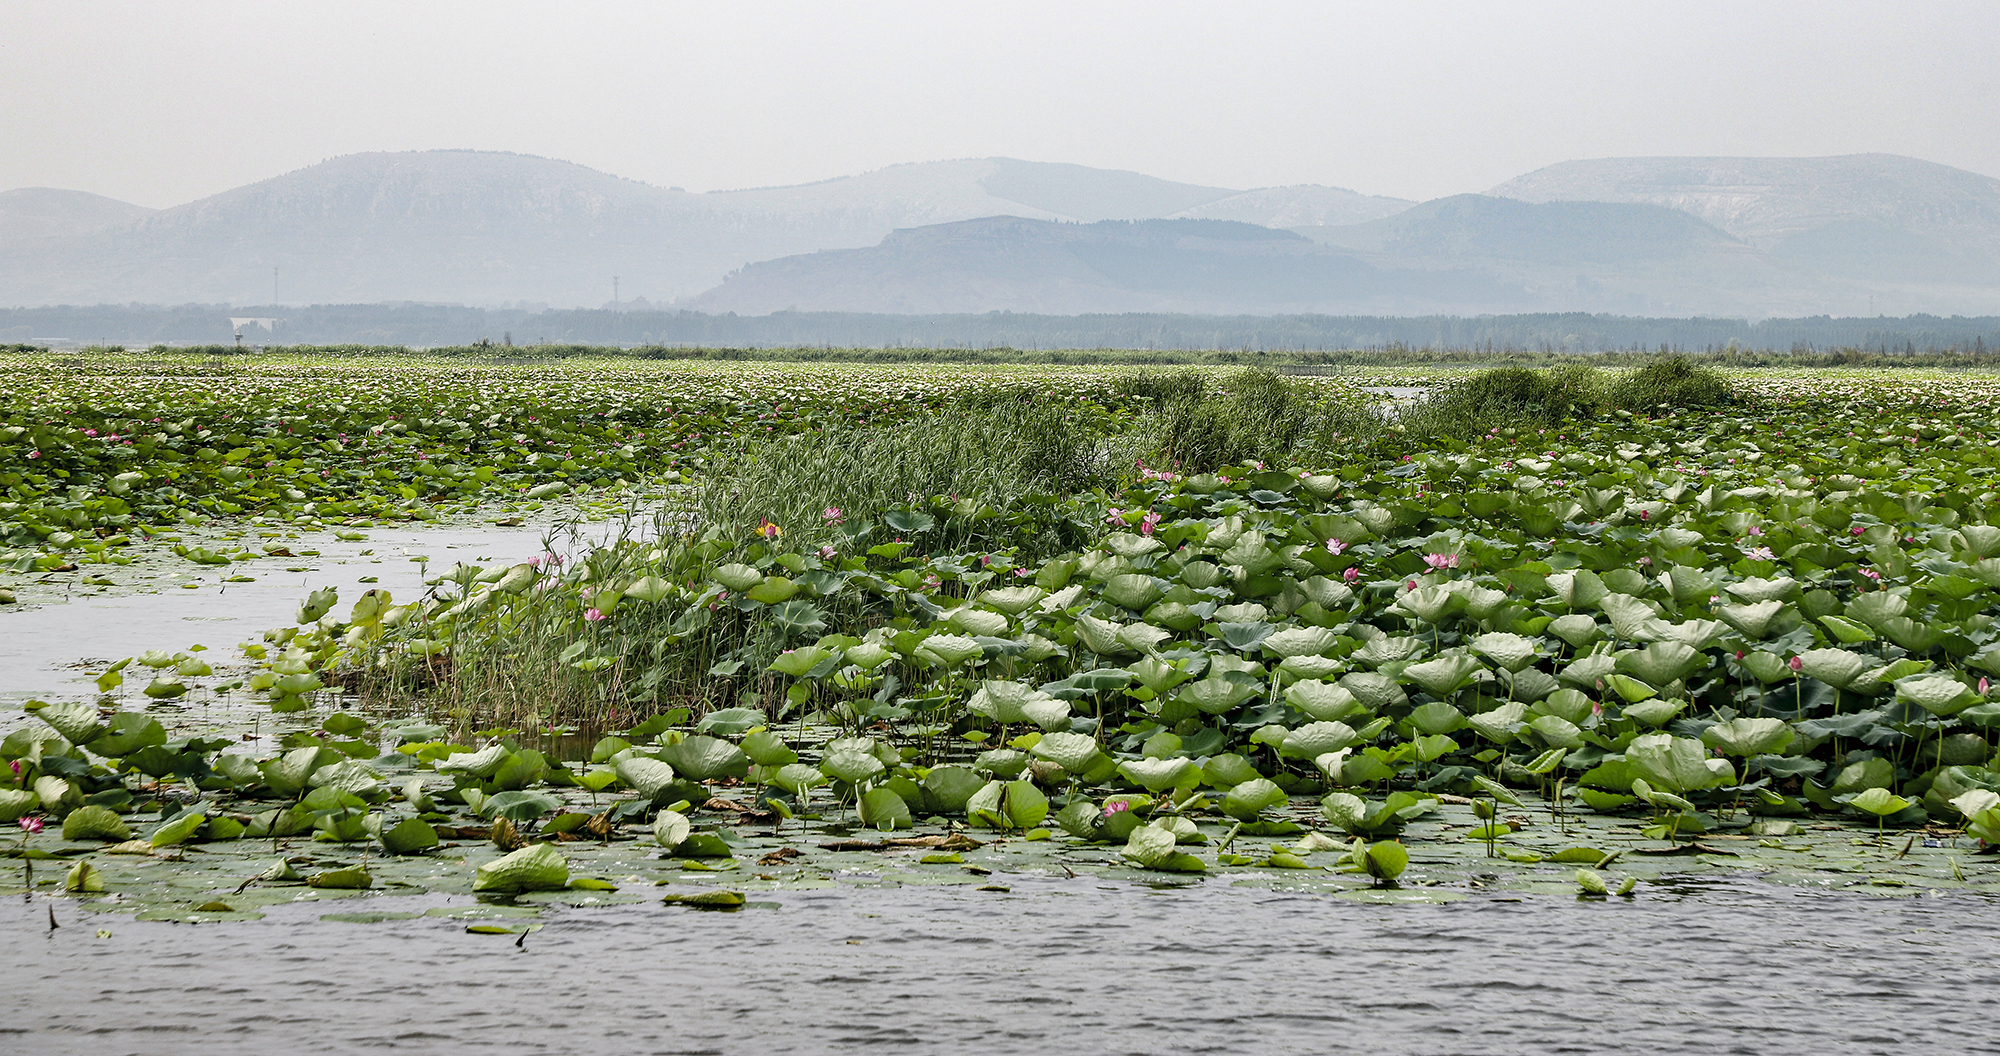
1255, 416
1509, 396
1671, 381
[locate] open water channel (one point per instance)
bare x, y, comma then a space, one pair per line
1052, 964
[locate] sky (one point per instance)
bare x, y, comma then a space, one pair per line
160, 104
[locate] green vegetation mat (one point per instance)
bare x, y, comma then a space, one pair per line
1518, 631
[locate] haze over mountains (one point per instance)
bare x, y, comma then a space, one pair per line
1861, 234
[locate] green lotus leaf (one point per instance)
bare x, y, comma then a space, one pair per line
851, 765
671, 829
1076, 753
1429, 604
95, 823
16, 802
767, 748
1159, 775
1835, 667
1001, 762
536, 867
947, 788
1529, 684
1511, 652
1586, 671
799, 778
1098, 636
1676, 763
1632, 617
1252, 797
1937, 694
1863, 775
1299, 641
1214, 695
954, 648
1436, 717
1444, 675
737, 577
1752, 619
179, 829
356, 878
1577, 629
519, 805
1500, 725
1755, 589
1661, 662
978, 622
1745, 736
1875, 606
1135, 591
1228, 770
1578, 590
704, 758
881, 808
1131, 544
1375, 691
409, 836
1849, 632
1879, 801
1148, 847
1388, 649
797, 663
1315, 739
1322, 700
482, 764
1013, 600
647, 776
76, 722
1557, 732
1630, 689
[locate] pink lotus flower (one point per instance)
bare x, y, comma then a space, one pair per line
1872, 574
1857, 530
1149, 522
1440, 562
1116, 516
826, 552
832, 515
1336, 547
31, 825
1760, 553
1116, 806
1352, 575
1796, 664
1645, 515
594, 615
1754, 530
1984, 686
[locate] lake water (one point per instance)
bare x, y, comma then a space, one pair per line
1053, 966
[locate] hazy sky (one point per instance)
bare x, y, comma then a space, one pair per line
161, 103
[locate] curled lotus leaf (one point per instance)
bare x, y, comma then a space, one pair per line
1877, 606
647, 776
1676, 763
851, 765
1429, 604
1500, 725
1158, 775
1835, 667
1300, 641
1133, 590
1075, 752
1662, 662
1322, 700
1579, 590
704, 758
1937, 694
1744, 736
1446, 674
1510, 651
481, 764
1373, 689
1388, 649
671, 829
1577, 629
536, 867
1529, 683
953, 648
1311, 667
1315, 739
1215, 695
1013, 600
1754, 618
1250, 798
1007, 702
1755, 589
978, 622
737, 577
1436, 717
1098, 636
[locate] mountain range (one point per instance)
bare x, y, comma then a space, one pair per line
1659, 236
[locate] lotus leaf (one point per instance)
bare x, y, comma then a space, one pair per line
1228, 770
354, 878
178, 829
737, 577
882, 808
95, 823
1511, 651
1835, 667
1215, 695
83, 878
76, 722
1557, 732
519, 806
1159, 775
1436, 717
1676, 763
851, 765
536, 867
1937, 694
1661, 662
1375, 691
409, 836
1863, 775
703, 758
1753, 619
978, 622
1577, 629
1299, 641
16, 802
1149, 847
1879, 801
1744, 736
1076, 753
1756, 590
1250, 798
1445, 675
481, 764
1315, 739
1500, 725
1322, 700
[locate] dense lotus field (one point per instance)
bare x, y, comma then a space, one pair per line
1581, 656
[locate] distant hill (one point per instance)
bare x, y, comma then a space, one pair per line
1871, 217
1019, 265
483, 227
1866, 234
1304, 205
31, 213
